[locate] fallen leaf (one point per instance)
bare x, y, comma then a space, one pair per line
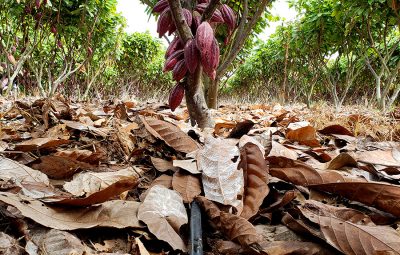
83, 127
342, 160
12, 170
379, 157
163, 165
189, 165
294, 247
62, 243
57, 167
116, 213
9, 245
352, 238
241, 129
222, 181
142, 248
255, 171
164, 213
171, 134
278, 150
304, 135
336, 130
187, 185
86, 156
40, 143
89, 183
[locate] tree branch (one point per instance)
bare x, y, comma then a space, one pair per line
183, 29
209, 11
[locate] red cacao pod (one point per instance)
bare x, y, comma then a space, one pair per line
229, 17
180, 70
175, 45
210, 60
37, 3
160, 6
192, 55
188, 16
176, 96
216, 17
204, 37
172, 60
164, 22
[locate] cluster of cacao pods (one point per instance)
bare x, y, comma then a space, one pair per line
203, 49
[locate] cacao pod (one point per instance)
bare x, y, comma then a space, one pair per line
229, 17
176, 96
204, 37
203, 1
160, 6
172, 60
175, 45
210, 60
38, 16
196, 23
164, 22
179, 71
53, 30
172, 28
192, 56
216, 17
37, 2
188, 16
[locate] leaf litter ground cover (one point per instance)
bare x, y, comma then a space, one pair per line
123, 177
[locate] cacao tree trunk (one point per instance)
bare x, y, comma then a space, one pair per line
212, 96
195, 100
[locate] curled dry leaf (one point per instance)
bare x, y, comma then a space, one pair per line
86, 156
241, 129
278, 150
116, 213
342, 160
189, 165
61, 242
57, 167
234, 227
304, 135
255, 171
83, 127
335, 129
171, 134
379, 157
164, 213
40, 143
89, 183
222, 181
187, 185
12, 170
352, 238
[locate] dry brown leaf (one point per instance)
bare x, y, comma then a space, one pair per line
234, 227
304, 135
187, 185
189, 165
57, 167
116, 213
241, 129
278, 150
142, 248
255, 171
164, 213
86, 156
335, 129
12, 170
171, 134
100, 196
379, 157
62, 243
222, 181
9, 245
83, 127
163, 165
40, 143
294, 247
281, 202
352, 238
89, 183
299, 173
342, 160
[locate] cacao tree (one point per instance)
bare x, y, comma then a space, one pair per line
196, 48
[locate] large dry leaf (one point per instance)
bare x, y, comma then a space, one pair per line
116, 213
294, 247
89, 183
9, 245
379, 157
278, 150
342, 160
163, 165
304, 135
241, 129
335, 129
62, 243
187, 185
255, 171
100, 196
352, 238
164, 213
382, 196
83, 127
299, 173
86, 156
39, 143
222, 181
189, 165
57, 167
171, 134
12, 170
234, 227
